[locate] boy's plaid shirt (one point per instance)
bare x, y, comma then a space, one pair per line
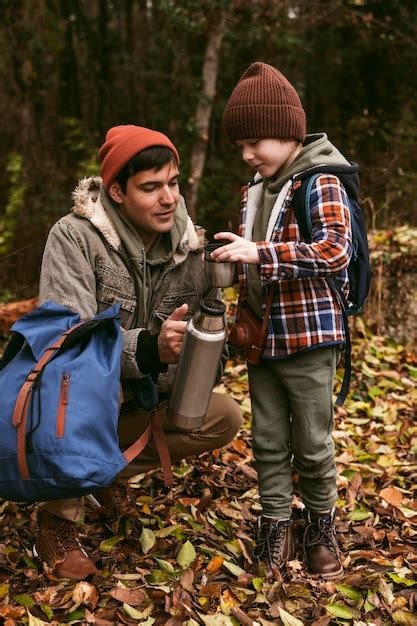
306, 312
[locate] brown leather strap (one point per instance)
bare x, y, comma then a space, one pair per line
155, 429
136, 448
264, 330
21, 402
21, 445
20, 411
49, 352
21, 406
162, 447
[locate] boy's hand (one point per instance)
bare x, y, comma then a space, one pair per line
238, 250
171, 335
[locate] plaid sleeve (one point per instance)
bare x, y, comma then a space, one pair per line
331, 246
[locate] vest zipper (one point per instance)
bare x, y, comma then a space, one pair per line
62, 406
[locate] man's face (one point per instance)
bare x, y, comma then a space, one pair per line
150, 200
268, 156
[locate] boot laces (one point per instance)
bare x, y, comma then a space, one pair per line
320, 532
271, 537
66, 533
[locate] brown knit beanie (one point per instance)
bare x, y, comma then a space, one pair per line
122, 143
264, 105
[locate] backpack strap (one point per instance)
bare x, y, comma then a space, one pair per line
302, 210
146, 393
341, 396
20, 412
155, 429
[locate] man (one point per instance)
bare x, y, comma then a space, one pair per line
130, 240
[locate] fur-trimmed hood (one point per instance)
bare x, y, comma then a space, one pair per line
88, 205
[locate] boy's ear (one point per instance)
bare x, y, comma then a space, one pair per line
115, 192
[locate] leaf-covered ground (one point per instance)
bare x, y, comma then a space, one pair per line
184, 555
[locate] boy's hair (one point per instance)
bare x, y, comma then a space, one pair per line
153, 158
264, 105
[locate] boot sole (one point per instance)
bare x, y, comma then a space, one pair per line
328, 575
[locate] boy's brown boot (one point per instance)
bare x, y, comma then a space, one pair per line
275, 543
59, 546
320, 546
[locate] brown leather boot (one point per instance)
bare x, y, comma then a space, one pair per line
59, 546
115, 499
320, 546
275, 544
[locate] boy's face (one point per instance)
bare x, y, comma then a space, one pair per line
269, 156
150, 200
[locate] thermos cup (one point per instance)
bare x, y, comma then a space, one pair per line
218, 273
197, 367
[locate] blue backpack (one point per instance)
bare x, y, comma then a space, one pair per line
60, 394
359, 268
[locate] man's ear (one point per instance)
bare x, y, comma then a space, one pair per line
115, 192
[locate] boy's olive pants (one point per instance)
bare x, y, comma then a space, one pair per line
292, 427
222, 422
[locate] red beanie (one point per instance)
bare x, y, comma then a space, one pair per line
124, 142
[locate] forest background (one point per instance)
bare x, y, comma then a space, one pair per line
70, 69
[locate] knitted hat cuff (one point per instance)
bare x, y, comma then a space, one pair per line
123, 143
260, 121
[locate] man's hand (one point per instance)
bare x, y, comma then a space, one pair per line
238, 250
171, 335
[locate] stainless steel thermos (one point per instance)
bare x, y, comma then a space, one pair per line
197, 367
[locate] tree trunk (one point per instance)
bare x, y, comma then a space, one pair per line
204, 109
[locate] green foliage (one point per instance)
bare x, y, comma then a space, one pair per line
14, 206
80, 148
6, 295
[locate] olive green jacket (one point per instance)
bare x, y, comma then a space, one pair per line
85, 268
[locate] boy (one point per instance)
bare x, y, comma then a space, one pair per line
291, 388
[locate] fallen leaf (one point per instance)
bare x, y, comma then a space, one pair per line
187, 579
349, 592
135, 614
24, 600
215, 564
218, 619
289, 620
166, 565
147, 540
340, 610
35, 621
404, 618
186, 555
108, 544
131, 595
234, 569
392, 495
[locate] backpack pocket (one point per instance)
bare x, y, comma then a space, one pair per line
62, 405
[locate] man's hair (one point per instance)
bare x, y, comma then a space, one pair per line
153, 158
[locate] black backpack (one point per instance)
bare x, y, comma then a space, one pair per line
359, 269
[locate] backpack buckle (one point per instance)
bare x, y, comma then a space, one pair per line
32, 376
